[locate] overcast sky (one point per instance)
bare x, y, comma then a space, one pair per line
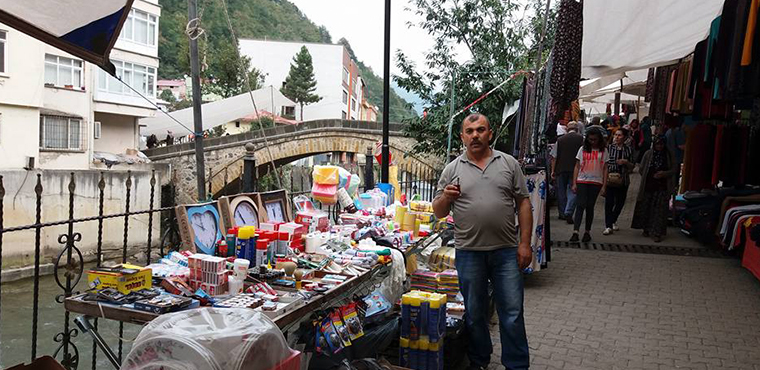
361, 22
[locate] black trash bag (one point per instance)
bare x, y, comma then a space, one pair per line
375, 340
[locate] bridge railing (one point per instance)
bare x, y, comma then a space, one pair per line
271, 133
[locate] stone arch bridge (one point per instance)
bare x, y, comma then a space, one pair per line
224, 155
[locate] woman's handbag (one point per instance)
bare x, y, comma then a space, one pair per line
615, 179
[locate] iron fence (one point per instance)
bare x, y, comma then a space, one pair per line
69, 262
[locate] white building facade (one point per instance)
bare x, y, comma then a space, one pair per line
58, 109
56, 113
337, 75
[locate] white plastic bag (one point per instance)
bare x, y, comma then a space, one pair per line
209, 338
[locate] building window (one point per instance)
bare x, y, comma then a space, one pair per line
342, 115
139, 77
140, 27
353, 104
345, 97
237, 124
3, 39
61, 133
61, 71
345, 75
289, 112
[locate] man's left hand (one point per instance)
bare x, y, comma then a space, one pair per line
524, 255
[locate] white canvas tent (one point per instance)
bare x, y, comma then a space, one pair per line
626, 35
217, 113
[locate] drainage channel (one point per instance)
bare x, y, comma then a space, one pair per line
640, 248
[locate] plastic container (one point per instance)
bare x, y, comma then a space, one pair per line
212, 338
414, 349
403, 352
235, 285
240, 268
328, 175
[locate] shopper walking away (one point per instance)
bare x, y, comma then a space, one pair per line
657, 184
484, 188
589, 181
619, 166
563, 165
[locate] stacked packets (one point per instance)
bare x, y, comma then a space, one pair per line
423, 326
425, 280
448, 284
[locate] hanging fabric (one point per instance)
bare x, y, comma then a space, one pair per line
566, 73
536, 184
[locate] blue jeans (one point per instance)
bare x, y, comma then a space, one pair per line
565, 195
475, 269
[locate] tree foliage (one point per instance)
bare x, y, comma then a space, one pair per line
264, 122
167, 96
300, 84
500, 38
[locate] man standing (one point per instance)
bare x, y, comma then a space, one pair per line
563, 164
484, 188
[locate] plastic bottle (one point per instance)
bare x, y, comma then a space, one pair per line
236, 285
250, 252
403, 348
414, 349
231, 240
244, 233
435, 356
435, 316
414, 317
261, 251
406, 302
283, 238
422, 355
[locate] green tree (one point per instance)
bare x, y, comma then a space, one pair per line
300, 83
226, 73
263, 122
167, 96
500, 38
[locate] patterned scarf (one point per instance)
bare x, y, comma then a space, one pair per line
659, 157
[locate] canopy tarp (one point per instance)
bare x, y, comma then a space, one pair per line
87, 29
625, 35
216, 113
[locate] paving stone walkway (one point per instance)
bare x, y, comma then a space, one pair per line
612, 310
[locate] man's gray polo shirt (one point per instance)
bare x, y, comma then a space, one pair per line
484, 214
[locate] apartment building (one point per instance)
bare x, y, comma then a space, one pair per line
337, 75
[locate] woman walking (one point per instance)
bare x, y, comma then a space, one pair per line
658, 167
619, 166
589, 180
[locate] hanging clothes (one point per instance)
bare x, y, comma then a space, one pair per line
536, 185
566, 73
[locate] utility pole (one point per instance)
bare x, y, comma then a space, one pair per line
195, 69
451, 115
384, 172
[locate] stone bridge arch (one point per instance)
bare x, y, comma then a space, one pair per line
224, 155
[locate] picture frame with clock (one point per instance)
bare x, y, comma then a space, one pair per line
201, 226
240, 210
275, 206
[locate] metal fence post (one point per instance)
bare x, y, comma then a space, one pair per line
369, 171
249, 168
37, 237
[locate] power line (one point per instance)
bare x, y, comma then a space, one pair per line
154, 104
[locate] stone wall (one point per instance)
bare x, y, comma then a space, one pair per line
20, 209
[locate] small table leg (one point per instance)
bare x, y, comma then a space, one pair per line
84, 325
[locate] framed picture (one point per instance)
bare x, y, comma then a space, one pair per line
200, 226
275, 207
240, 210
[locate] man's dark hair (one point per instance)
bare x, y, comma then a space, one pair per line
474, 117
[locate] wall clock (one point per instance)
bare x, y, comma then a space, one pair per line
200, 226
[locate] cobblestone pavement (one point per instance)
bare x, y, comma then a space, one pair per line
612, 310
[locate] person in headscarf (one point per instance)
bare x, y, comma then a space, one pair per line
657, 183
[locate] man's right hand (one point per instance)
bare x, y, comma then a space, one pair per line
451, 192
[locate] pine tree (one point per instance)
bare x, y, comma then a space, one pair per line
300, 83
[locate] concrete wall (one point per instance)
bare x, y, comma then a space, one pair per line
14, 147
273, 58
20, 205
117, 133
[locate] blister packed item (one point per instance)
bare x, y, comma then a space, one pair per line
324, 193
209, 338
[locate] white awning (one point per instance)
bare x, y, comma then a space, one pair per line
85, 28
626, 35
216, 113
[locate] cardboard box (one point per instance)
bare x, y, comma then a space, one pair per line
125, 278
